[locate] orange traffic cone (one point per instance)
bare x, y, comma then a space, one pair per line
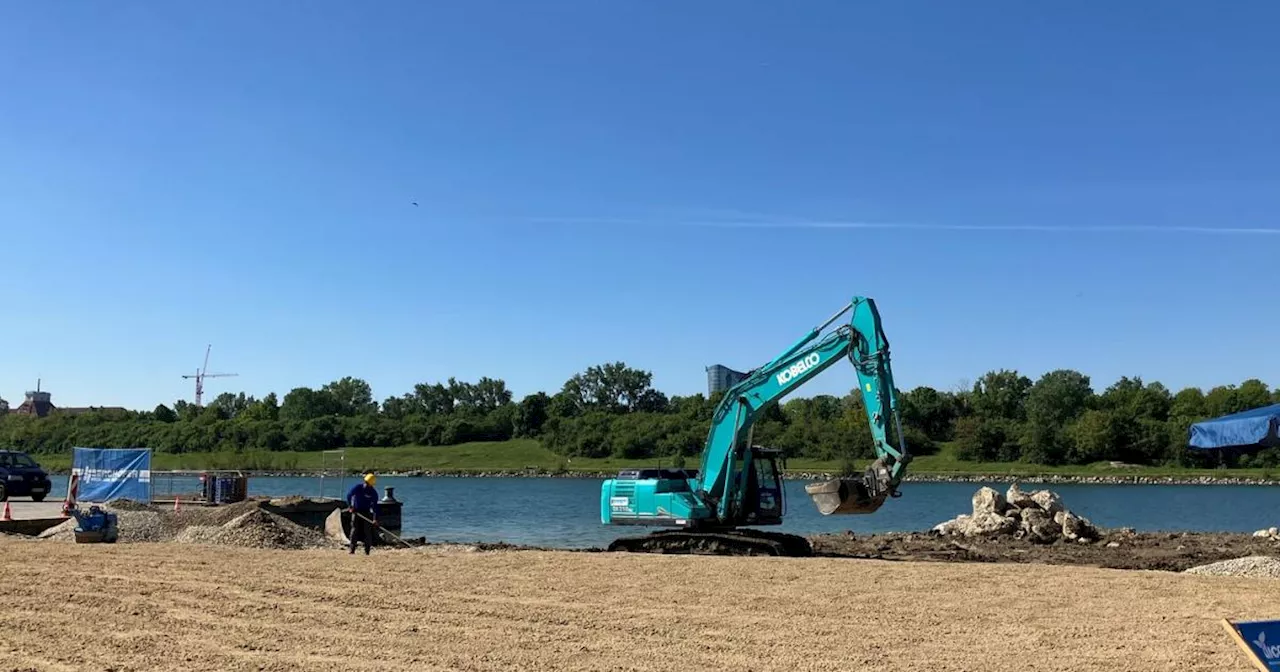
175, 504
7, 514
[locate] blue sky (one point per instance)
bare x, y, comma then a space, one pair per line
669, 184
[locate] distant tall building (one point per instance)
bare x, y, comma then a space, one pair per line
721, 378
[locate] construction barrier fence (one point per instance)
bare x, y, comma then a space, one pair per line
104, 474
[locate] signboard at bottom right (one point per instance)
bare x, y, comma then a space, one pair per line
1260, 639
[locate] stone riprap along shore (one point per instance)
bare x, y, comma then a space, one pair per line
1099, 479
819, 475
1091, 479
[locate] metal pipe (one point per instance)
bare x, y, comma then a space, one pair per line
835, 317
808, 337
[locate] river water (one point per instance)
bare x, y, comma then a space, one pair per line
564, 512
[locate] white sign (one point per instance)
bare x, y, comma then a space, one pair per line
788, 374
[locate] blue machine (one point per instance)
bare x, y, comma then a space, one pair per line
96, 526
739, 483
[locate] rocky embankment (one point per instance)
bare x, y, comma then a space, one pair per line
1096, 479
1037, 527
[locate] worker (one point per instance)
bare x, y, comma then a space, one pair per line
362, 502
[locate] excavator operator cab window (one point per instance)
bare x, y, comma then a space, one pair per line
768, 487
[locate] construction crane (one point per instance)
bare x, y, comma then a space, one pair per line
203, 373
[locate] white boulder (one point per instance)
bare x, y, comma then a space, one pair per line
1077, 528
987, 500
1048, 500
1019, 499
985, 524
1039, 527
953, 526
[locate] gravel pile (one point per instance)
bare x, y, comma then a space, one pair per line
257, 528
1037, 516
243, 524
129, 505
134, 526
1254, 566
199, 534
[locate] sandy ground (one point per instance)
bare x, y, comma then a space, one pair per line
182, 607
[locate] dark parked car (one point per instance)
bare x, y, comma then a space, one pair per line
20, 476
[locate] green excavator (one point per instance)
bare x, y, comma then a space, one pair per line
739, 487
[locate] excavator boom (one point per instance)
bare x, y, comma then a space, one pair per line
863, 342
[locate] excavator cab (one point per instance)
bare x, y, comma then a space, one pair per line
765, 496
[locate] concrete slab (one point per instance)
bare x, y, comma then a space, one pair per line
31, 518
29, 510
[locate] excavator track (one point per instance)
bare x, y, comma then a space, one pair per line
721, 542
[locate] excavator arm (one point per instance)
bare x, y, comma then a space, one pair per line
727, 453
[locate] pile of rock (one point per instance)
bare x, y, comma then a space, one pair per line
135, 526
244, 524
258, 528
1038, 516
1254, 566
1270, 533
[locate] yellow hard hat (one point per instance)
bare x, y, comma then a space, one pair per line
370, 478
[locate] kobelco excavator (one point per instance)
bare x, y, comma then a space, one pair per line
739, 485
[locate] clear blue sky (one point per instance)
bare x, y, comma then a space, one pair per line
668, 184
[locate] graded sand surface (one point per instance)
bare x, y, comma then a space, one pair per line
167, 606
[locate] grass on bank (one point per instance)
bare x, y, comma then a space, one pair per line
520, 454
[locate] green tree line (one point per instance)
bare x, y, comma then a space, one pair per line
613, 410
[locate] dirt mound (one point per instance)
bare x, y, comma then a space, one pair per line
1035, 527
1117, 549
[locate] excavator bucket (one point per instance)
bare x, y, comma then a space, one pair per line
863, 494
843, 495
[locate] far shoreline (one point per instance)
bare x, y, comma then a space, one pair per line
1048, 479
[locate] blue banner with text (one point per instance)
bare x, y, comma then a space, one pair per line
112, 473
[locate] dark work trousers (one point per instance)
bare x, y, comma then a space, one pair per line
361, 530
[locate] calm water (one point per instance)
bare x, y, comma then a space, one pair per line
564, 512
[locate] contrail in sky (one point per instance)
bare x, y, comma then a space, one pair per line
805, 224
1257, 231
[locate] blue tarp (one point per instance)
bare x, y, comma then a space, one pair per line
112, 473
1247, 429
